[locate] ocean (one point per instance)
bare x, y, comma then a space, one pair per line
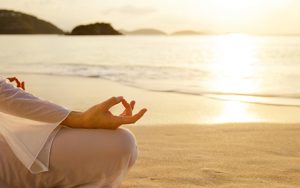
255, 69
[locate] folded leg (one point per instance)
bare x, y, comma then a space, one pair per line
79, 158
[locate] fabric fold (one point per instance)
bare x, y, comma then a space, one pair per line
29, 125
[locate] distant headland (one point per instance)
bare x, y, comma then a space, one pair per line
14, 22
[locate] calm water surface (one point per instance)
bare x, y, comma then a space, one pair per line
230, 67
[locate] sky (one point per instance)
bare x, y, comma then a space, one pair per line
218, 16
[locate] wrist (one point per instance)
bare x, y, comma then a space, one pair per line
74, 120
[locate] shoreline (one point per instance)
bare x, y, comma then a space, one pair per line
257, 99
164, 108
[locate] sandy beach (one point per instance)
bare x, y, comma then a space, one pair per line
193, 141
232, 155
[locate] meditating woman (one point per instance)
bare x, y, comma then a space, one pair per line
44, 145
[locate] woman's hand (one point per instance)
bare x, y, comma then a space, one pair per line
99, 116
19, 84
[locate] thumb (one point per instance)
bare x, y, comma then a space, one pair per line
112, 101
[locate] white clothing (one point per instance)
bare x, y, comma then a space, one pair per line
37, 152
79, 158
29, 125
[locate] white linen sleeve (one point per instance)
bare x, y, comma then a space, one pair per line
29, 125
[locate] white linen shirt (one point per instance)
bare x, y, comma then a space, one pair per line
29, 125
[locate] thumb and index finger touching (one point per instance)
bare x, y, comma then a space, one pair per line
124, 119
109, 103
131, 119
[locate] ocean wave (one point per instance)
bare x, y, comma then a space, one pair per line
155, 78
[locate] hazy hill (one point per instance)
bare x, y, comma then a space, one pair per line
13, 22
143, 32
95, 29
188, 32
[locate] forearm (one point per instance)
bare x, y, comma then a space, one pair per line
19, 103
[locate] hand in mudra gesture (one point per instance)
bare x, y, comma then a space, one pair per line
18, 82
99, 116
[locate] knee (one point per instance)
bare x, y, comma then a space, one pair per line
129, 145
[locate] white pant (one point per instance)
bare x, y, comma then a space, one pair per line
79, 158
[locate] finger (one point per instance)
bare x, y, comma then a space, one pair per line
19, 84
128, 110
14, 79
131, 119
23, 85
111, 102
132, 104
126, 104
11, 79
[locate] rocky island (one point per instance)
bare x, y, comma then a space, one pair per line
13, 22
95, 29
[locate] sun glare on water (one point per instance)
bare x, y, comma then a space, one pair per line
234, 62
